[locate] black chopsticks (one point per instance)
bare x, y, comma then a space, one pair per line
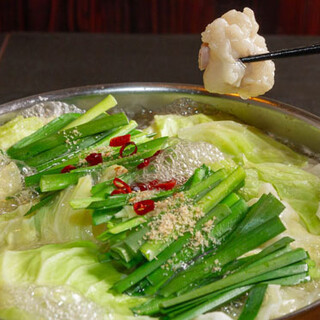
284, 53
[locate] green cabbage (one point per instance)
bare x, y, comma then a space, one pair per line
59, 222
56, 222
252, 185
17, 231
10, 178
232, 138
298, 187
18, 128
72, 267
14, 313
238, 140
169, 125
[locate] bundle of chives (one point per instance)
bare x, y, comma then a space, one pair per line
240, 230
48, 152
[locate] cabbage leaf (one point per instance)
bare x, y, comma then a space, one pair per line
169, 125
298, 187
18, 128
56, 222
10, 178
233, 138
73, 267
59, 222
238, 140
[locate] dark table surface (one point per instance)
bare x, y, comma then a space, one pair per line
35, 63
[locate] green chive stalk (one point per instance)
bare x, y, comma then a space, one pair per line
253, 303
224, 255
51, 128
150, 266
240, 277
103, 106
76, 155
160, 276
84, 130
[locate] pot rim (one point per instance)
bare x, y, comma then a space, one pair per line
154, 87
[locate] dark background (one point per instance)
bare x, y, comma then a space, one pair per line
153, 16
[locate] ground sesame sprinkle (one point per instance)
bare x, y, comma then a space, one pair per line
76, 132
173, 217
207, 227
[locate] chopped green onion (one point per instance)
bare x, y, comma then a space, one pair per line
253, 303
52, 127
104, 105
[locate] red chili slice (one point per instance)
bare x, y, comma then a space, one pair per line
68, 168
120, 184
143, 164
125, 146
152, 184
94, 158
168, 185
120, 141
139, 187
142, 186
147, 161
118, 191
143, 207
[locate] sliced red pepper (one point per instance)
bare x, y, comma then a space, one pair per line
68, 168
152, 184
120, 184
139, 187
120, 141
118, 191
143, 164
143, 186
125, 146
143, 207
94, 158
147, 161
168, 185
